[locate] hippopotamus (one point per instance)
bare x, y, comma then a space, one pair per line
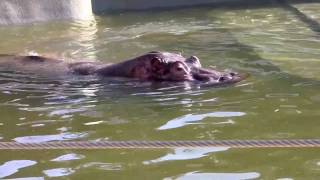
152, 66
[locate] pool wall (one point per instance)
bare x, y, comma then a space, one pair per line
28, 11
116, 5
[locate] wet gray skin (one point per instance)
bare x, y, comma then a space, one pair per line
153, 66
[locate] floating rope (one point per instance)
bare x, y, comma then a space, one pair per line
293, 143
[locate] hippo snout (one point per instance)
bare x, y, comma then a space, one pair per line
227, 77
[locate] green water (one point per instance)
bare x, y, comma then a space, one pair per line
279, 101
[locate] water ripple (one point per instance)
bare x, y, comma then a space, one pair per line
68, 157
191, 118
102, 166
58, 172
186, 154
49, 138
220, 176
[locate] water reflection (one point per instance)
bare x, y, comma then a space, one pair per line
28, 178
68, 157
50, 39
58, 172
186, 154
48, 138
220, 176
12, 167
85, 34
102, 166
192, 119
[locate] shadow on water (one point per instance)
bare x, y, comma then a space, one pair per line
311, 23
266, 65
258, 66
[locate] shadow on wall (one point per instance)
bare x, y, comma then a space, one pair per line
107, 6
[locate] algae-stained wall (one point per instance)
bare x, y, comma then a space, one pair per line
26, 11
115, 5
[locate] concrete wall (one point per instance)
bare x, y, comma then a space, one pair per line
121, 5
27, 11
116, 5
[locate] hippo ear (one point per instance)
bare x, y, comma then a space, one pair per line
194, 61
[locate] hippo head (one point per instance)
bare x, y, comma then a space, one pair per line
165, 66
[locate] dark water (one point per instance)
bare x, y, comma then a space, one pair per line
280, 99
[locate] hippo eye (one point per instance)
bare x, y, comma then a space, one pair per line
179, 69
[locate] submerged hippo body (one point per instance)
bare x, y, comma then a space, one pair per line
153, 66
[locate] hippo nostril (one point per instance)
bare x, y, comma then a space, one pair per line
221, 79
232, 74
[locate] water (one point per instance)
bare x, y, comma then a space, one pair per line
280, 100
